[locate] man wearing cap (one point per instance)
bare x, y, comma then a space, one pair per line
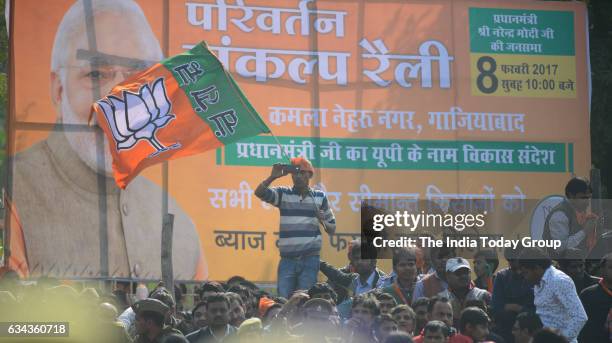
150, 316
128, 317
461, 289
302, 210
268, 309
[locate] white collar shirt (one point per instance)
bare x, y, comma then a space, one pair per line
558, 305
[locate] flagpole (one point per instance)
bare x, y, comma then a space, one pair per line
11, 131
99, 144
257, 118
167, 229
314, 203
7, 231
314, 94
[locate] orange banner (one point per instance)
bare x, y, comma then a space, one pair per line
390, 100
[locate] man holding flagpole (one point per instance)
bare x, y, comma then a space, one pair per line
302, 209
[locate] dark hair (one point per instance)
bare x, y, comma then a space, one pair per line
210, 286
322, 287
529, 321
155, 317
382, 318
279, 300
490, 256
217, 297
513, 254
403, 307
531, 258
436, 326
398, 337
241, 291
473, 316
162, 294
178, 292
571, 255
422, 301
547, 335
355, 248
248, 284
604, 259
384, 296
403, 254
198, 305
322, 303
577, 185
121, 297
476, 303
235, 279
231, 296
368, 301
434, 300
444, 250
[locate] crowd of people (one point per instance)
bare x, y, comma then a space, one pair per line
432, 295
533, 300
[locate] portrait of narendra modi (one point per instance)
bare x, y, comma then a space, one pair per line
76, 222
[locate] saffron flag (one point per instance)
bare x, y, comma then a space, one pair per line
17, 259
183, 105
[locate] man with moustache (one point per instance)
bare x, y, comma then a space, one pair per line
63, 186
569, 221
302, 210
217, 318
460, 287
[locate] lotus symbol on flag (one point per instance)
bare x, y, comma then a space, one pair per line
138, 116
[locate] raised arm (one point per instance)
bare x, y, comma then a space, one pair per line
263, 191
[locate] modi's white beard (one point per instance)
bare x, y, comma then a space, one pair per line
84, 142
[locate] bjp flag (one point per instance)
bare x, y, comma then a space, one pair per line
181, 106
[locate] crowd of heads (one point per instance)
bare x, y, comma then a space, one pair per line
311, 315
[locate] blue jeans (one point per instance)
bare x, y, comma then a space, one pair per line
297, 273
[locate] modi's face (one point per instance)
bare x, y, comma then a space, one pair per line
123, 48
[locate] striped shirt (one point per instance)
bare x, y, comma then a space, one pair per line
299, 233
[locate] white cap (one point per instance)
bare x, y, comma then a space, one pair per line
456, 263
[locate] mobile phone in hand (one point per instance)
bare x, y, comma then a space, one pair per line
290, 168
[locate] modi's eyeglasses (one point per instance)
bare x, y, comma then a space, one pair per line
100, 75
